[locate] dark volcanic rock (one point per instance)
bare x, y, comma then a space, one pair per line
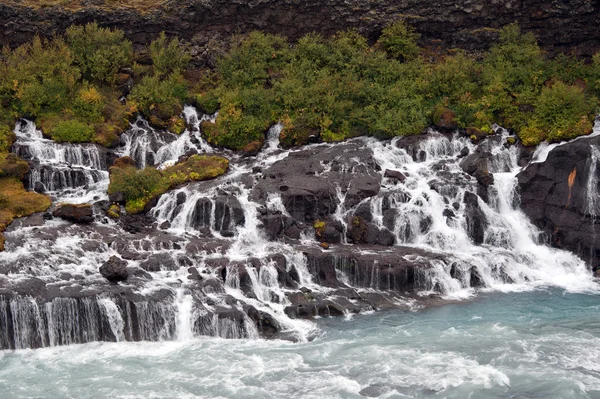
475, 218
395, 174
114, 270
308, 180
75, 213
568, 25
560, 196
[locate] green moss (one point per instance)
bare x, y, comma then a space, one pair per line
12, 166
114, 211
176, 125
15, 201
141, 186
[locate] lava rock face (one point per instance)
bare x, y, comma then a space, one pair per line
308, 181
114, 270
560, 196
568, 25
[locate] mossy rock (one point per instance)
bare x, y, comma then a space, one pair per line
176, 125
141, 187
251, 149
157, 122
15, 202
12, 166
475, 134
444, 118
297, 134
124, 162
114, 211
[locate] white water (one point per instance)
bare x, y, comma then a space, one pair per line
511, 258
511, 251
68, 172
151, 147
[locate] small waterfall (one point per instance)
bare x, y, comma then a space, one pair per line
185, 316
273, 137
593, 205
151, 147
72, 172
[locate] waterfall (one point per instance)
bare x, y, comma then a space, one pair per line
214, 267
151, 147
593, 205
69, 172
510, 253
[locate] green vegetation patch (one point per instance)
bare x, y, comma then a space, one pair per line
341, 87
15, 202
139, 187
67, 85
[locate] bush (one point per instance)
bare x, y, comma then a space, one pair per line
43, 80
562, 112
7, 137
72, 131
167, 56
160, 97
400, 41
89, 104
99, 52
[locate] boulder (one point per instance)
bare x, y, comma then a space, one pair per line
114, 270
308, 180
395, 175
76, 213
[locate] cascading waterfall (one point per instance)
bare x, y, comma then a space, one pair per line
510, 253
593, 205
217, 229
151, 147
71, 172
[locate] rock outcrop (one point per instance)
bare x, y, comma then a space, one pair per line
559, 26
560, 195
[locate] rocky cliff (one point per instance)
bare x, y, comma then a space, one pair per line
559, 25
560, 196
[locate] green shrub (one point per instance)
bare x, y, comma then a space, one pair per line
563, 112
400, 41
7, 136
99, 52
43, 80
160, 97
167, 56
72, 131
